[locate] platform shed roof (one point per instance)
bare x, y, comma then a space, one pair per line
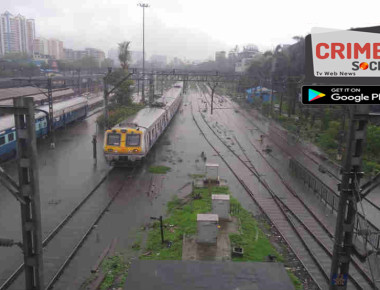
213, 275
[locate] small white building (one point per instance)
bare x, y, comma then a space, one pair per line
221, 206
212, 171
207, 225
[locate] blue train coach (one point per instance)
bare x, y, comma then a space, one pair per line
64, 113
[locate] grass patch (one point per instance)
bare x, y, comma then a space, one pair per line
182, 220
197, 175
137, 244
254, 242
159, 169
296, 282
116, 270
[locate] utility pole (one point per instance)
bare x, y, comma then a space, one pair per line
271, 97
51, 116
27, 191
162, 85
349, 196
105, 94
79, 83
212, 87
143, 5
151, 89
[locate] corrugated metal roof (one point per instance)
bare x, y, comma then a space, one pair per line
9, 93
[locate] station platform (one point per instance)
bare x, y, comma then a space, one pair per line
213, 275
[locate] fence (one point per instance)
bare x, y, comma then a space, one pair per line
331, 199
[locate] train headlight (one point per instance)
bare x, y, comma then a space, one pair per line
135, 150
110, 150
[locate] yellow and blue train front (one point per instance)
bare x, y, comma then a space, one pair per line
123, 145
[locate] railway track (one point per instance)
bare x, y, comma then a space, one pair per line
69, 235
285, 149
299, 227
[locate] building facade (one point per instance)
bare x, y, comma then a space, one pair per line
220, 56
41, 46
97, 54
17, 34
55, 48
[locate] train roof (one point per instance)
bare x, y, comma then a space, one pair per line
147, 116
7, 121
59, 107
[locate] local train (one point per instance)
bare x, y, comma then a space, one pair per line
64, 113
132, 139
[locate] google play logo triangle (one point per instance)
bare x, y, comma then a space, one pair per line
315, 95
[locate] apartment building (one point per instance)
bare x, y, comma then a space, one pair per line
17, 34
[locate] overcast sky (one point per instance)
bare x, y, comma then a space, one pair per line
192, 29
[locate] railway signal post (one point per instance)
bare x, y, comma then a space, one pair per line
349, 196
27, 190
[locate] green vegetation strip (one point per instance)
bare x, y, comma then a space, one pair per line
116, 270
182, 220
159, 169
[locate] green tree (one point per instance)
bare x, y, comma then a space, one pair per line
373, 142
329, 138
123, 93
107, 63
124, 54
16, 56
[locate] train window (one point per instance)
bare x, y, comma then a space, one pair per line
113, 139
2, 140
11, 137
132, 140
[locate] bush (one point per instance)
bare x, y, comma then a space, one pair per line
329, 138
370, 167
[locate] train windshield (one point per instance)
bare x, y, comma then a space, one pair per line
133, 140
113, 139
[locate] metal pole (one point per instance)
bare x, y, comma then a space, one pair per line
162, 85
143, 84
51, 115
349, 190
79, 83
29, 188
143, 5
162, 230
271, 97
94, 141
151, 89
105, 94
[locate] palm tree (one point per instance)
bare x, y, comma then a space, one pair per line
124, 54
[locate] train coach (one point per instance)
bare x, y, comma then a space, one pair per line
64, 113
132, 139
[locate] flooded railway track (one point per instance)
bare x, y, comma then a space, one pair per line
304, 232
68, 236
